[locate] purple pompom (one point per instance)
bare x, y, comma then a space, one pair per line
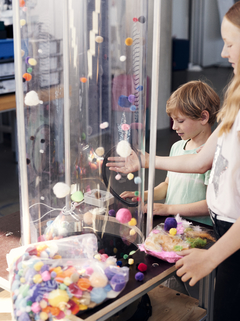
139, 276
170, 222
109, 272
118, 282
112, 213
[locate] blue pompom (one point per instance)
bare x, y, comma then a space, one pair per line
133, 108
123, 101
119, 263
139, 88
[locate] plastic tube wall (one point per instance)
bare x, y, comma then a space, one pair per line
83, 100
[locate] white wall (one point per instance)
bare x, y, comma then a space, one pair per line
212, 42
180, 18
206, 42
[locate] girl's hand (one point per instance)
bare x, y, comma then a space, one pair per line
195, 265
158, 209
128, 164
131, 195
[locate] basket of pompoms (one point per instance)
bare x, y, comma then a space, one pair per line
168, 239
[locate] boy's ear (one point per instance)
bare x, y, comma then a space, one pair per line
204, 117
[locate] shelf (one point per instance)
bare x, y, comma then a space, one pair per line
170, 305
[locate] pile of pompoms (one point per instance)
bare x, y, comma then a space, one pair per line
166, 241
54, 279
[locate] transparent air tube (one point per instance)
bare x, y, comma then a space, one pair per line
84, 99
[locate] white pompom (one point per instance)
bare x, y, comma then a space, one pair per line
61, 190
122, 58
31, 99
124, 148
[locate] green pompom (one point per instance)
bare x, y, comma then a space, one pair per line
77, 196
198, 242
177, 248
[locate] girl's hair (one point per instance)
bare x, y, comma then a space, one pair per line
231, 104
192, 98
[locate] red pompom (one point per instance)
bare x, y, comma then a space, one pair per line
142, 267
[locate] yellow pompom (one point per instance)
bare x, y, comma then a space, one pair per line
130, 261
43, 316
38, 265
57, 296
67, 281
37, 278
133, 222
173, 231
132, 232
41, 247
32, 61
97, 257
22, 22
130, 176
83, 307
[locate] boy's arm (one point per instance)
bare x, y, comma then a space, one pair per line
193, 209
197, 263
160, 191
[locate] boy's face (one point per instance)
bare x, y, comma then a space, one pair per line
186, 127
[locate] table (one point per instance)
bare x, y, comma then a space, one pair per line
153, 277
7, 102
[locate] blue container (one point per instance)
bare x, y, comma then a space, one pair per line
6, 48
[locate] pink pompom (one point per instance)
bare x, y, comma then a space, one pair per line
35, 307
104, 257
46, 276
123, 215
89, 270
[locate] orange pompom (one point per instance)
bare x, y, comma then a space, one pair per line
83, 79
27, 76
47, 309
128, 41
55, 311
22, 3
83, 284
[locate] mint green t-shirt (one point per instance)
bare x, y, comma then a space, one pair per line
184, 188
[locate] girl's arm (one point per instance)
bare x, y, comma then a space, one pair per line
196, 263
191, 163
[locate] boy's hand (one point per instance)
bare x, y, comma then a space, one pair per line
158, 209
128, 164
131, 195
194, 265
